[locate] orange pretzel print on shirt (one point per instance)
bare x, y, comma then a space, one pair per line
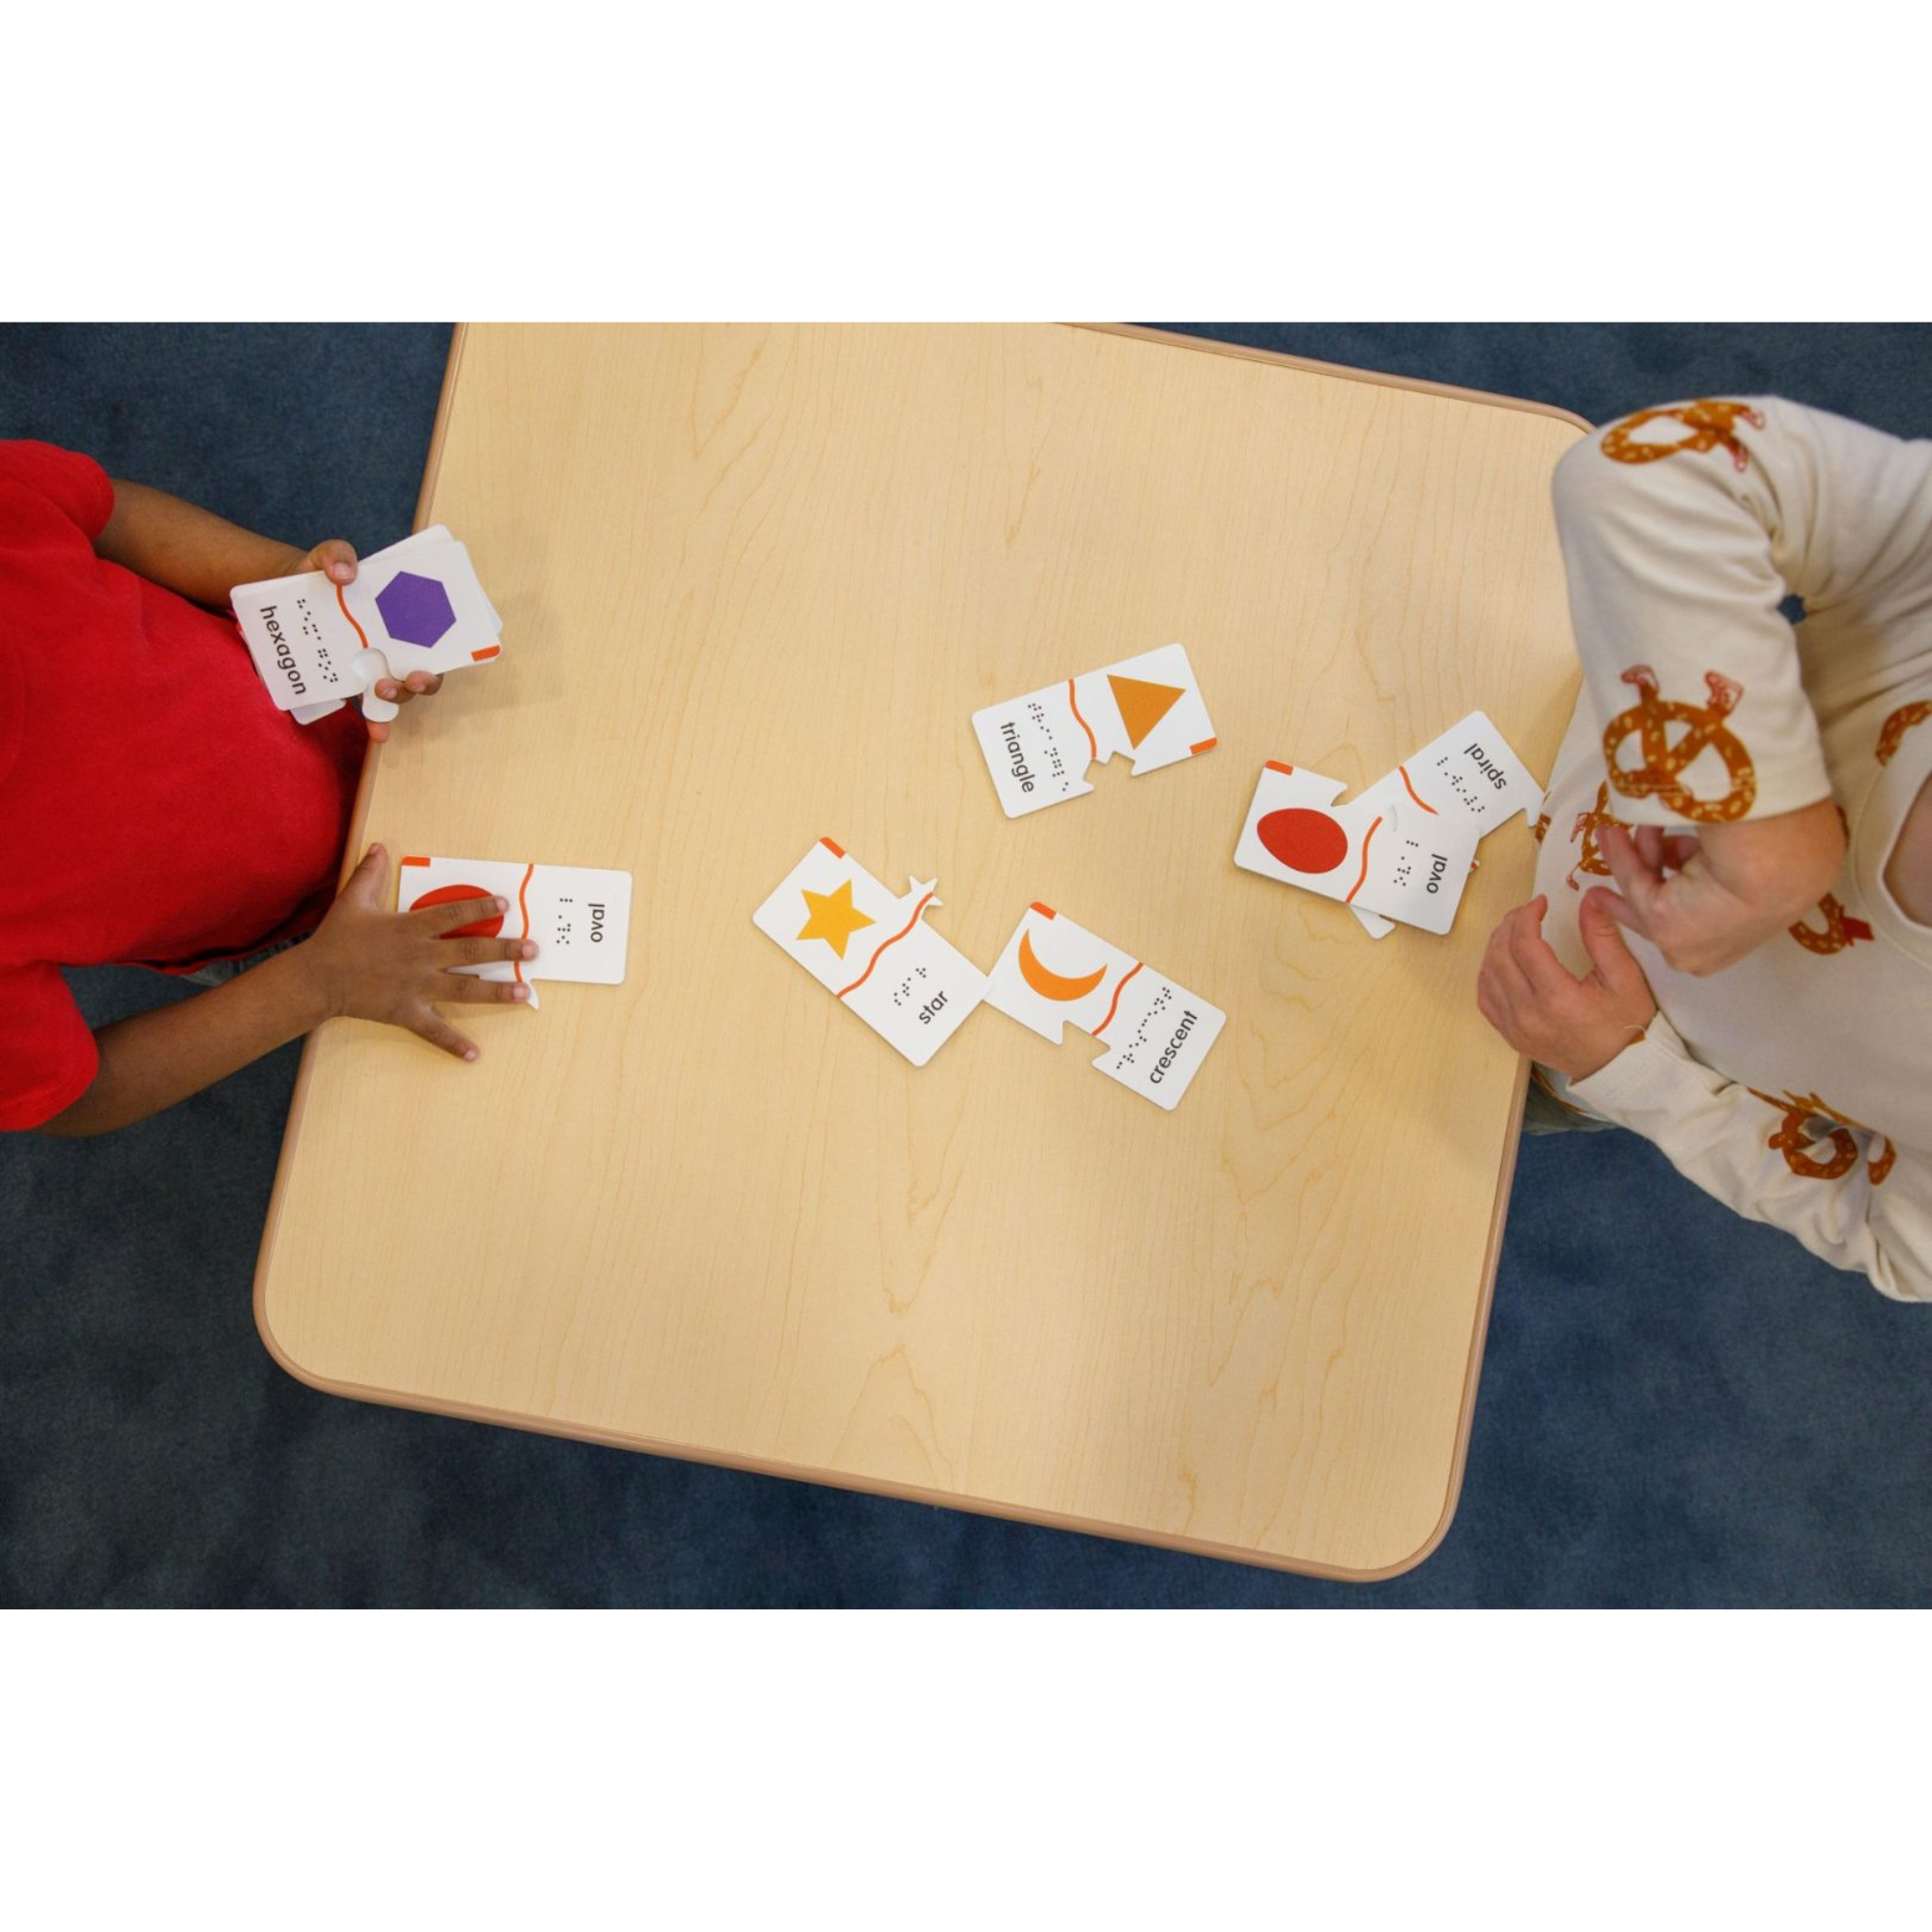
1794, 1141
1659, 776
1891, 733
1540, 830
1710, 425
1842, 929
1591, 859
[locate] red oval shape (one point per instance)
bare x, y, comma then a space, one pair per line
477, 928
1303, 840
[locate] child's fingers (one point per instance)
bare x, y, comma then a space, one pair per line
440, 1033
335, 559
365, 882
1643, 891
1532, 953
419, 684
1499, 969
447, 919
464, 989
1602, 940
379, 735
481, 951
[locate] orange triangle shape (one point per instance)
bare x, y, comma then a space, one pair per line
1142, 705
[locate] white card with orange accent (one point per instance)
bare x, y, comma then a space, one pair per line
579, 915
873, 949
1156, 1032
416, 606
1402, 863
1467, 775
1038, 747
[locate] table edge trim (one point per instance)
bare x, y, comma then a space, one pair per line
1168, 338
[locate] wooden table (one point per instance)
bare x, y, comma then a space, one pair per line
753, 582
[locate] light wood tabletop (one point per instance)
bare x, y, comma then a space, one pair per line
753, 582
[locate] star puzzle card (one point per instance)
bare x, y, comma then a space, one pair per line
1155, 1031
873, 951
1038, 747
417, 606
579, 915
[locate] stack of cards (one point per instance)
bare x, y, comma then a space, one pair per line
1402, 849
1038, 747
578, 916
417, 606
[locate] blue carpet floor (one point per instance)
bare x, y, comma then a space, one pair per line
1702, 1416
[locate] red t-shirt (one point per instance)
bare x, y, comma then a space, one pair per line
158, 807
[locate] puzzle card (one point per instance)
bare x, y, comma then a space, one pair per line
1037, 747
1468, 774
1155, 1031
416, 606
579, 915
873, 949
1408, 863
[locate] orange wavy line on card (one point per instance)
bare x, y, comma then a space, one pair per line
1115, 1006
353, 624
1366, 843
1093, 743
495, 650
884, 943
1287, 771
838, 851
524, 907
1205, 745
415, 861
1046, 911
1416, 795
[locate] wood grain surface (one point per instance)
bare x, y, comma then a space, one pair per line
753, 582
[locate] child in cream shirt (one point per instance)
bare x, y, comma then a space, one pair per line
1730, 949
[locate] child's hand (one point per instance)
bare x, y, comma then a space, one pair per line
1728, 887
373, 964
418, 684
336, 559
1532, 999
333, 556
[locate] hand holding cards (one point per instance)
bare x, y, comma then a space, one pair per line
417, 606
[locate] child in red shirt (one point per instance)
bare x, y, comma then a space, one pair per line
161, 812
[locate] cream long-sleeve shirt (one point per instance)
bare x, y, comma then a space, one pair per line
1796, 1084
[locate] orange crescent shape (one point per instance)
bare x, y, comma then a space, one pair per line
1055, 985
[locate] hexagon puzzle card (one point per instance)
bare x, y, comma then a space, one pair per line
417, 606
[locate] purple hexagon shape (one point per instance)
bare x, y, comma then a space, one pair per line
415, 610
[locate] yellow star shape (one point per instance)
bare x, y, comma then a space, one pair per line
833, 917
